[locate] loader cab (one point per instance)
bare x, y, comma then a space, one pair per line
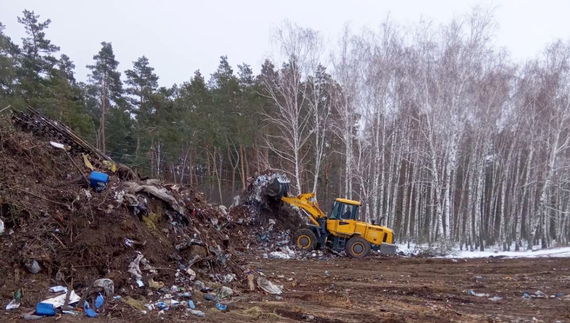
344, 209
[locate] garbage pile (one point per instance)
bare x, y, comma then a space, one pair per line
268, 223
72, 216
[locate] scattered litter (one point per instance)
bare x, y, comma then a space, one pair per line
46, 309
33, 266
225, 292
197, 313
58, 301
57, 145
106, 284
71, 312
472, 293
268, 286
250, 282
191, 273
99, 301
129, 242
191, 304
210, 297
58, 289
12, 305
98, 181
88, 310
496, 298
1, 227
135, 269
155, 284
539, 294
32, 317
221, 307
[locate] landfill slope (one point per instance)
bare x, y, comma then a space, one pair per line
58, 230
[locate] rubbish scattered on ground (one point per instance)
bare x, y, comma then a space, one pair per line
106, 284
250, 282
46, 309
191, 304
12, 305
32, 317
472, 293
197, 313
1, 227
99, 301
209, 297
268, 286
221, 307
33, 266
495, 299
88, 310
58, 289
59, 301
98, 180
225, 292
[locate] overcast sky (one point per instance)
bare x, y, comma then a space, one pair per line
182, 36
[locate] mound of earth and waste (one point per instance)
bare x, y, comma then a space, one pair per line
83, 235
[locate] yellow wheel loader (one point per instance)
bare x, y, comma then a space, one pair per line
341, 230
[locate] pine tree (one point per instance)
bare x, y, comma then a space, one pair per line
37, 59
8, 63
107, 86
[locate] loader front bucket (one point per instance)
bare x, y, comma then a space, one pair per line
277, 188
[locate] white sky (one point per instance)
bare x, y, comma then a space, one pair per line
180, 36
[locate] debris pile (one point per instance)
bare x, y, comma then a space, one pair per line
112, 238
268, 223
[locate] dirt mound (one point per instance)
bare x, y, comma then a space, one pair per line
133, 232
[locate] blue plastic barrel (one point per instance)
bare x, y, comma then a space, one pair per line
98, 180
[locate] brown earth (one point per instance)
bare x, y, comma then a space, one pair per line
389, 290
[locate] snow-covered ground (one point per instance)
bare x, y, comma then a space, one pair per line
414, 249
555, 252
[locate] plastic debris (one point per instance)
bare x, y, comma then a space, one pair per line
191, 273
57, 145
46, 309
32, 317
88, 310
210, 297
162, 306
526, 295
154, 284
197, 313
250, 282
539, 294
58, 289
58, 301
14, 304
135, 269
200, 285
129, 242
106, 284
494, 299
221, 307
99, 301
472, 293
225, 292
33, 266
71, 312
191, 304
117, 297
1, 227
268, 286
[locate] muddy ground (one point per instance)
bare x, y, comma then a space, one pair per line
389, 290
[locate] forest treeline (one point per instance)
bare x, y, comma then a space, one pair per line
439, 133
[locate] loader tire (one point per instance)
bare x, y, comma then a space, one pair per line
357, 247
305, 239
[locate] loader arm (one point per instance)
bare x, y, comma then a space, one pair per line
308, 203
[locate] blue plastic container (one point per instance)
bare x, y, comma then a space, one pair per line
98, 180
45, 309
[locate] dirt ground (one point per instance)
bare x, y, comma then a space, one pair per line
389, 290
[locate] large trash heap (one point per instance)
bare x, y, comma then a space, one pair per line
69, 246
